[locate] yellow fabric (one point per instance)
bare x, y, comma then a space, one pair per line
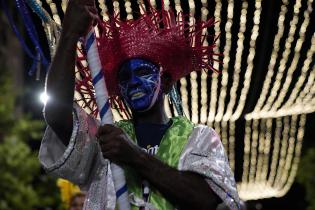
67, 190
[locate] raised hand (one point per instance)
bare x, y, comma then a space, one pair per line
79, 17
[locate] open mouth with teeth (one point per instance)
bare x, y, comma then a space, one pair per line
137, 95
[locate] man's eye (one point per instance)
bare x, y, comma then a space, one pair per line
123, 76
142, 71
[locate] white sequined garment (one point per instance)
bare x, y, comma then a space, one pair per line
82, 163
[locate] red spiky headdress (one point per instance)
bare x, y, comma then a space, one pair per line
159, 36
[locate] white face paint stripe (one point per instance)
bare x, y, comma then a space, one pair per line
156, 93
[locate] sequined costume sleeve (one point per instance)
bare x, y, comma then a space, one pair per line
81, 162
205, 155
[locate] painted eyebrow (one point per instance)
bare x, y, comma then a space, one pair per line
142, 69
145, 68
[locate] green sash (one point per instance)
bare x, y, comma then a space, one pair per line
170, 149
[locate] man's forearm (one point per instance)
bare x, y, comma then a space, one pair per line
60, 87
187, 190
61, 77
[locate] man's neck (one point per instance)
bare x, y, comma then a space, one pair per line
155, 115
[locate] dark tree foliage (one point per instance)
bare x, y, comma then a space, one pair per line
23, 185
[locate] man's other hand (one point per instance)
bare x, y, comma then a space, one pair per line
116, 145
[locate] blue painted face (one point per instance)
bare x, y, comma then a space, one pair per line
139, 83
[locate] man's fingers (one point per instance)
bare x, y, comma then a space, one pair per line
106, 129
86, 2
107, 153
94, 17
109, 150
83, 2
112, 157
103, 130
90, 2
105, 147
92, 10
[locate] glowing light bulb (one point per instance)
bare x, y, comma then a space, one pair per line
43, 97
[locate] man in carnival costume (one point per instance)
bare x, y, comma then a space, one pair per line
169, 163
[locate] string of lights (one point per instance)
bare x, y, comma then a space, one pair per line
226, 60
250, 65
290, 153
243, 186
193, 75
194, 97
275, 153
297, 156
184, 95
285, 57
224, 134
282, 150
238, 61
307, 89
116, 6
295, 60
305, 69
128, 9
274, 55
286, 147
221, 127
283, 167
64, 4
305, 100
261, 147
266, 150
204, 75
53, 9
231, 143
308, 100
229, 140
216, 65
253, 151
104, 10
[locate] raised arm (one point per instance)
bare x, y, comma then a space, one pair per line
60, 80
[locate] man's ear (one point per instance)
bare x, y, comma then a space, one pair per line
167, 83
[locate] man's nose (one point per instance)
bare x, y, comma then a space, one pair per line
134, 81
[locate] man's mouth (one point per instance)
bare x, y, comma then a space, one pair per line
136, 95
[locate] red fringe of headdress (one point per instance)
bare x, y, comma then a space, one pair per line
159, 37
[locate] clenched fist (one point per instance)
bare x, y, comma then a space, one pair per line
78, 17
116, 145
